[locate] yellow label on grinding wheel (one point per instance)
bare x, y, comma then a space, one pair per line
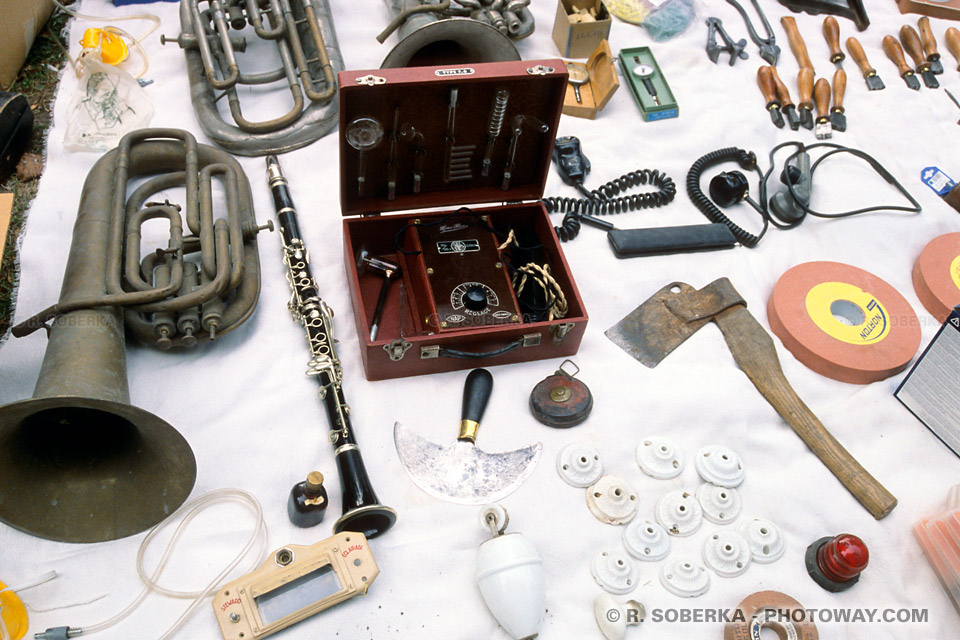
955, 272
848, 313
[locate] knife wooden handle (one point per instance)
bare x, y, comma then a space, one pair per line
476, 395
805, 87
839, 88
953, 44
831, 31
767, 86
821, 97
895, 52
755, 354
926, 38
782, 92
860, 57
797, 44
911, 44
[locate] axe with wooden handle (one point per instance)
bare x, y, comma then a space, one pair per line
654, 329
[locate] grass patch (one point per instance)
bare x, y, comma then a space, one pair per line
37, 81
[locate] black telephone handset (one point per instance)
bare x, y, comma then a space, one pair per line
571, 163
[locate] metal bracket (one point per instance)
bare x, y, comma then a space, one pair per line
371, 80
432, 351
397, 349
540, 70
531, 340
560, 331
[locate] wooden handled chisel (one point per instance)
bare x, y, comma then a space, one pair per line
821, 95
953, 44
786, 102
805, 86
838, 116
930, 45
912, 45
769, 90
874, 83
831, 32
895, 52
797, 45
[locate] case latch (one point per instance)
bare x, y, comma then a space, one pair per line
397, 349
371, 80
560, 331
540, 70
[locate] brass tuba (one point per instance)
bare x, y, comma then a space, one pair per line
456, 31
78, 462
309, 60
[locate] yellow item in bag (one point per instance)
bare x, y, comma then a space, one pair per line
13, 612
113, 49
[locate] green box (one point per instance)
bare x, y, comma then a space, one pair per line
630, 59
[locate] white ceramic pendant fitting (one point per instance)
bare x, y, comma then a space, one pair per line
660, 458
720, 465
727, 553
612, 500
579, 465
685, 577
615, 572
721, 505
765, 539
679, 513
510, 578
646, 540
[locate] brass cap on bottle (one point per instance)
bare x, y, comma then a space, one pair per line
315, 481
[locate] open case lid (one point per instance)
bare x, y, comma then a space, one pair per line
427, 131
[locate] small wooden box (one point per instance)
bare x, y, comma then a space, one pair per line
579, 39
435, 127
595, 94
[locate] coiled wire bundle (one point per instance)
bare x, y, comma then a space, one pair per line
606, 199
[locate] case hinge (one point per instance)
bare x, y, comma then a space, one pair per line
371, 80
540, 70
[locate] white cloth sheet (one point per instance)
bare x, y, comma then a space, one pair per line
253, 420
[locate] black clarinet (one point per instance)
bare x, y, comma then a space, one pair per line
362, 510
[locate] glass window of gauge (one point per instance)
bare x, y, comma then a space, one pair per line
297, 594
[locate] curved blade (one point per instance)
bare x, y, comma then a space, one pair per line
461, 472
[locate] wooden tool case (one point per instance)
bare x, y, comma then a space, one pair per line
419, 147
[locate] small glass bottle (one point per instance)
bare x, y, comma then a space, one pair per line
308, 501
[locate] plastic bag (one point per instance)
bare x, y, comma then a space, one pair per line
670, 19
107, 104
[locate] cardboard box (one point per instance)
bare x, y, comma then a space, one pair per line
22, 21
578, 40
596, 93
6, 209
426, 133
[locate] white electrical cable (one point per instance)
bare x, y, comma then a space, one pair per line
187, 513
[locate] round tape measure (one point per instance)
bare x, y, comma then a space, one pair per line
936, 275
773, 611
843, 322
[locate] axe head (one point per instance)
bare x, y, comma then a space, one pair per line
653, 330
